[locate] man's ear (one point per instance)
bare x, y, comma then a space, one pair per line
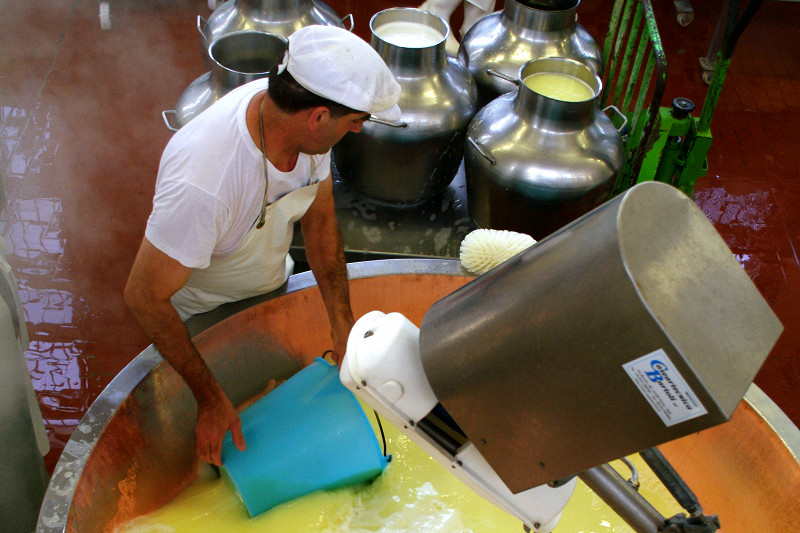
318, 117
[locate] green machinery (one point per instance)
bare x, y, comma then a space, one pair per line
667, 144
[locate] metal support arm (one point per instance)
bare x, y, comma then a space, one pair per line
623, 499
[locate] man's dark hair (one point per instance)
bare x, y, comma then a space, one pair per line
291, 97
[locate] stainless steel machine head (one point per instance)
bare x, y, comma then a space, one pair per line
632, 326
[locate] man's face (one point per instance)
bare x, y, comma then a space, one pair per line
336, 128
352, 122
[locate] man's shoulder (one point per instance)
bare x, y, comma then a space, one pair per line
233, 103
219, 121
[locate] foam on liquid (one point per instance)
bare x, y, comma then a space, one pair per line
408, 34
559, 86
415, 494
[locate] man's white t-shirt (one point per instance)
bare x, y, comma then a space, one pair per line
211, 181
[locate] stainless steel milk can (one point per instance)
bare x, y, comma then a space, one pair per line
535, 162
236, 58
522, 31
408, 165
282, 17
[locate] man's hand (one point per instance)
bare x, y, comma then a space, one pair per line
339, 335
215, 417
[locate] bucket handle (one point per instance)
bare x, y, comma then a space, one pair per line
164, 115
201, 26
377, 120
352, 22
620, 114
502, 76
482, 150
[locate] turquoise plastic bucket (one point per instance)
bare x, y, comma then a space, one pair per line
308, 434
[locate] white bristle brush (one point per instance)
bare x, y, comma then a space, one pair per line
484, 249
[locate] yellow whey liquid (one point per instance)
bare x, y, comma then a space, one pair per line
415, 494
559, 86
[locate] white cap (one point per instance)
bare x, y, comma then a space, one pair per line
333, 63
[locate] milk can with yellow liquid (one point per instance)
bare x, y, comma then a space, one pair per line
542, 156
525, 30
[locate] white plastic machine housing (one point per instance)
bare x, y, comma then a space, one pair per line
382, 366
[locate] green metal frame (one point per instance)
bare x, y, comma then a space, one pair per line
679, 154
663, 144
633, 42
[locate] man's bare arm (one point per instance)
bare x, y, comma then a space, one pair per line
323, 244
154, 278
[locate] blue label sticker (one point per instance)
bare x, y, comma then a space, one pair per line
664, 388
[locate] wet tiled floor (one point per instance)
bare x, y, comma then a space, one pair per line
81, 133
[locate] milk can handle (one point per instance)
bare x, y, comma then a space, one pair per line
502, 76
352, 22
201, 26
164, 114
482, 150
619, 113
377, 120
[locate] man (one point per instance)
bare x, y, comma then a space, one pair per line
231, 185
474, 10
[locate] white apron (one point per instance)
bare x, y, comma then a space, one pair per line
259, 265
